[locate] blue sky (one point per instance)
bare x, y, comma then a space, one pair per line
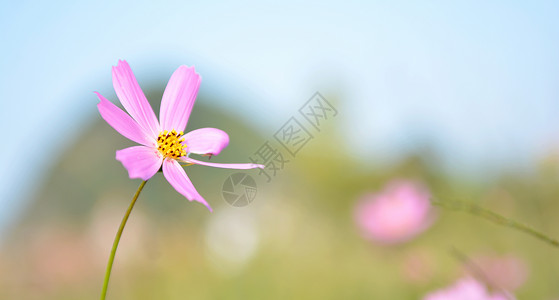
478, 78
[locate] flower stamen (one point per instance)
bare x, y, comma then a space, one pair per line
170, 144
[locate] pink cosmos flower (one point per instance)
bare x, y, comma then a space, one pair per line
163, 144
467, 289
398, 213
418, 266
508, 272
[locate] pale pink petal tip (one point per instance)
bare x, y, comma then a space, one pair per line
133, 99
222, 166
206, 141
122, 122
177, 177
178, 98
140, 162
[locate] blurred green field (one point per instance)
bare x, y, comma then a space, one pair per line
297, 240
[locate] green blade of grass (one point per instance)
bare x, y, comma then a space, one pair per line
495, 218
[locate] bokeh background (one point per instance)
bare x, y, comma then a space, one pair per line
460, 97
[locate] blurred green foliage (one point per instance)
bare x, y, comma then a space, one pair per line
297, 240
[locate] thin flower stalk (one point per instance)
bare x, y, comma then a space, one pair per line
117, 240
495, 218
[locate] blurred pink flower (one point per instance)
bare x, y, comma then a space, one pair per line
466, 289
418, 266
163, 143
507, 272
398, 213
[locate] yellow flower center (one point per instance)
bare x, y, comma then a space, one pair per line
170, 144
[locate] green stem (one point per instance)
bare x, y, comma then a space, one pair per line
495, 218
117, 240
476, 270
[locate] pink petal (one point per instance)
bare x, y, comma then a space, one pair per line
140, 161
133, 99
206, 141
122, 122
178, 98
466, 289
176, 176
223, 166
